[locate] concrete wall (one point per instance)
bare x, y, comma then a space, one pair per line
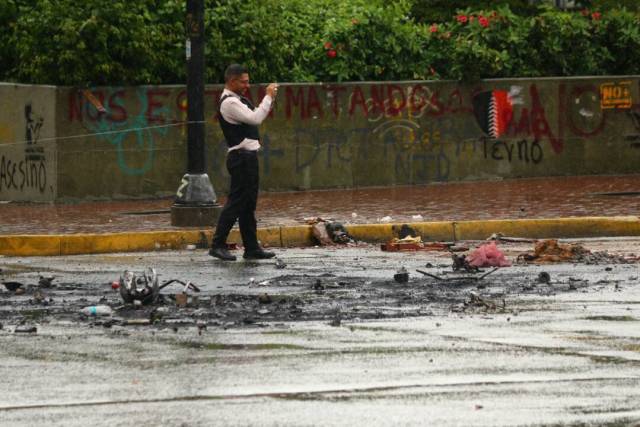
27, 152
327, 135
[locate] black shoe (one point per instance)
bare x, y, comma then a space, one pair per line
258, 254
222, 253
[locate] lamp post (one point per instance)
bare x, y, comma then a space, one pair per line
195, 203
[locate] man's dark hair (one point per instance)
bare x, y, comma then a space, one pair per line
234, 70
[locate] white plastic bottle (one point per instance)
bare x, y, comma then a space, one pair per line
97, 310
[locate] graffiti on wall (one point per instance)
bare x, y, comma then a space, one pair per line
28, 171
421, 131
128, 130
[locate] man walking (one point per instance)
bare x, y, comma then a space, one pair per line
239, 121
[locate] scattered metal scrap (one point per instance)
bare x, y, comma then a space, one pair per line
402, 276
460, 262
479, 301
502, 238
458, 277
144, 288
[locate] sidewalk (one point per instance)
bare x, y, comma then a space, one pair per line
525, 199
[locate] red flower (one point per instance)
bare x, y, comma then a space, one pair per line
331, 53
328, 45
596, 16
433, 28
462, 19
484, 22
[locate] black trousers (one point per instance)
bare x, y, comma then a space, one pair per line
241, 203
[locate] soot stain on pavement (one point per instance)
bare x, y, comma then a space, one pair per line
288, 297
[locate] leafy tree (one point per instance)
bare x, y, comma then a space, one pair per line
8, 17
373, 42
607, 5
143, 42
88, 42
441, 10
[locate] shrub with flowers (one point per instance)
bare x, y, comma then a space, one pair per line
311, 40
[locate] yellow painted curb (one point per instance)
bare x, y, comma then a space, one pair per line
548, 228
297, 235
270, 237
30, 245
73, 244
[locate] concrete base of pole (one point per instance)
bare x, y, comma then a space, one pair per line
196, 203
194, 216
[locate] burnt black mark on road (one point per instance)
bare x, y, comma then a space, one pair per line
285, 298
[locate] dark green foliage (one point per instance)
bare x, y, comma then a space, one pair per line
117, 42
430, 11
8, 17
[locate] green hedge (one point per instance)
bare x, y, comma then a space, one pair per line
121, 42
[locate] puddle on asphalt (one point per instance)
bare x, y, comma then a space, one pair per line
249, 347
613, 318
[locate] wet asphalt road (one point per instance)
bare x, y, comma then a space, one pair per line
421, 353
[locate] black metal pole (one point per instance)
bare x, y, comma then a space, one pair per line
195, 87
195, 202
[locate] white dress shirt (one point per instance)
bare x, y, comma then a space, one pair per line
235, 112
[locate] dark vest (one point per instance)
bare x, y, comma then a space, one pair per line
235, 134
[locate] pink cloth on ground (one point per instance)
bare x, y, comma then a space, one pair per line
488, 255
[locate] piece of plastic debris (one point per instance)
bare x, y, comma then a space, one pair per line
265, 299
488, 255
12, 286
416, 217
385, 219
115, 285
402, 276
405, 230
97, 310
45, 282
25, 329
544, 277
354, 215
191, 247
